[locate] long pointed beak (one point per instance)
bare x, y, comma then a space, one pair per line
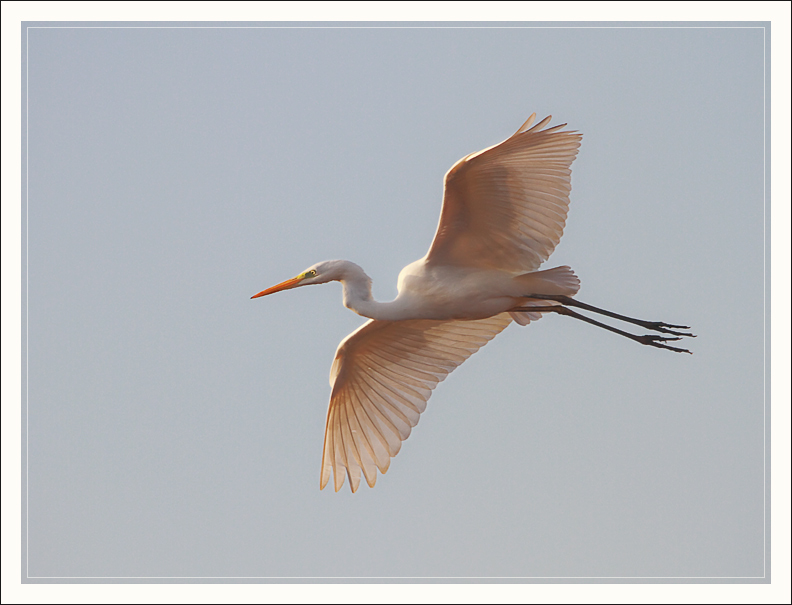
286, 285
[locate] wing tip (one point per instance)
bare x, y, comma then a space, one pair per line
540, 125
527, 127
324, 477
526, 124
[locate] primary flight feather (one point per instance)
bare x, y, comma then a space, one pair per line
504, 211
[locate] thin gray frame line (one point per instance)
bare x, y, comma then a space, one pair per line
392, 27
407, 577
27, 302
27, 297
764, 303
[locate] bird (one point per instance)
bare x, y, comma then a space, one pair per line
504, 210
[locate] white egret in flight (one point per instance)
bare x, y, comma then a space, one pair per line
504, 210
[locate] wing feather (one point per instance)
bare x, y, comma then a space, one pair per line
377, 443
382, 376
505, 207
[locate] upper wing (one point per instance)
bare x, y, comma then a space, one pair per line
382, 377
505, 207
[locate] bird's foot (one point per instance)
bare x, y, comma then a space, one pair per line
658, 341
659, 326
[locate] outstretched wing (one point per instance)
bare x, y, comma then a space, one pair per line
505, 207
382, 377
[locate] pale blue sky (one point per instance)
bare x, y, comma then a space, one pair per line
173, 173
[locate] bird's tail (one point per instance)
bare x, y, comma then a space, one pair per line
558, 280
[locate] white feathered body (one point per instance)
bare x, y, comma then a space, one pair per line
452, 292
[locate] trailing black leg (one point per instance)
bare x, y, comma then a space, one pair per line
651, 340
657, 326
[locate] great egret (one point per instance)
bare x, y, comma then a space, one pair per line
504, 210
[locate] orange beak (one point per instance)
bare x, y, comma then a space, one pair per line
286, 285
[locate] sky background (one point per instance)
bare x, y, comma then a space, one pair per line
175, 427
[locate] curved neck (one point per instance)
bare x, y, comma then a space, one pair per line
357, 295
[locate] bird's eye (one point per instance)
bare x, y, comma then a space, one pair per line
310, 273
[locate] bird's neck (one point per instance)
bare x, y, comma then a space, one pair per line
357, 295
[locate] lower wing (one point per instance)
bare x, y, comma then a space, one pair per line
382, 376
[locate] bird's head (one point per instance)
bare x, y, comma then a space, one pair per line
320, 273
